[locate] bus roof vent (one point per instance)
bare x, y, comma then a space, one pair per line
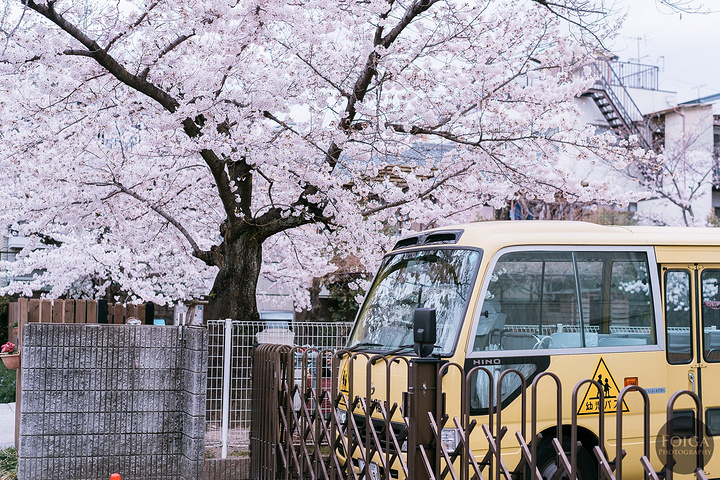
407, 242
443, 237
435, 238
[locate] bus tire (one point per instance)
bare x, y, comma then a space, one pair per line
547, 461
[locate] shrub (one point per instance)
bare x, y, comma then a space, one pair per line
8, 464
7, 385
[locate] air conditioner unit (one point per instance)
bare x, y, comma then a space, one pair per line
17, 242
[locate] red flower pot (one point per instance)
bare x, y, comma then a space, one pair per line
12, 361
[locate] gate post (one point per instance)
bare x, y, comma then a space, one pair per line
227, 371
421, 399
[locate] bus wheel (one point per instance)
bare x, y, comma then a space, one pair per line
547, 462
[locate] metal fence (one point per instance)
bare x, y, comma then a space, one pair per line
374, 438
230, 345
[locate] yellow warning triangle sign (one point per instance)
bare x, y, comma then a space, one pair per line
591, 401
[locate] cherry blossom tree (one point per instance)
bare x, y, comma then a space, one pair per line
681, 184
163, 150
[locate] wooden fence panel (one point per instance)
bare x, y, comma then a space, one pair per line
45, 310
34, 310
14, 313
118, 314
57, 311
69, 311
92, 311
80, 311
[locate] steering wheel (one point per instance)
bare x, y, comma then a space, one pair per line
542, 342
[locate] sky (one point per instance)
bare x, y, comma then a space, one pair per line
683, 45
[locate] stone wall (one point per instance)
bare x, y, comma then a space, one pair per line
101, 399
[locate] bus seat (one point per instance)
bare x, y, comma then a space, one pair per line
566, 340
487, 327
712, 339
679, 342
517, 340
619, 341
573, 340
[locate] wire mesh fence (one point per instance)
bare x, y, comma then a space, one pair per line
230, 345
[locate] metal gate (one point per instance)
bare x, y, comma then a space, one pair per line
374, 439
230, 344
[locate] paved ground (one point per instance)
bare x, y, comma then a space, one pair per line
7, 425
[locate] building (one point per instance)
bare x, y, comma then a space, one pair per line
10, 247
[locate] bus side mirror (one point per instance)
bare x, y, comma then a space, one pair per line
424, 331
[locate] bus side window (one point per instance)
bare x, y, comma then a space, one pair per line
711, 315
678, 316
564, 299
490, 326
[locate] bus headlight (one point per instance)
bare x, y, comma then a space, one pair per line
450, 439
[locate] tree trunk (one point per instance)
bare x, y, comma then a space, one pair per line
313, 315
233, 293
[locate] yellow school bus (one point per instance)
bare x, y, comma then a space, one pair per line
619, 305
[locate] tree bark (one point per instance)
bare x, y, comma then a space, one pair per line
233, 293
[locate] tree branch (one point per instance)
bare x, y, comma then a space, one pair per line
103, 58
203, 255
135, 24
363, 81
164, 52
422, 194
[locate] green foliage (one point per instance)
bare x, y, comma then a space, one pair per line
608, 216
342, 302
7, 385
4, 310
713, 220
8, 464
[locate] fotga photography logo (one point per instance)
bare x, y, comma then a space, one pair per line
679, 447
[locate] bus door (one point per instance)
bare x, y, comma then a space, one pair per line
692, 336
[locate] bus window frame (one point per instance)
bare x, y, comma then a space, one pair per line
468, 303
693, 318
655, 297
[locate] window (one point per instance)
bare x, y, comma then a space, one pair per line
678, 316
567, 299
711, 315
435, 278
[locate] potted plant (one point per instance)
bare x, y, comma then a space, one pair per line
10, 356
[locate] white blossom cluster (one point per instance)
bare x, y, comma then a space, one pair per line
355, 121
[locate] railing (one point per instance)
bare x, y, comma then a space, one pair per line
230, 345
610, 84
436, 434
636, 75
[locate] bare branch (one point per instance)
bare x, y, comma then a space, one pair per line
135, 24
422, 194
79, 53
164, 52
103, 58
203, 255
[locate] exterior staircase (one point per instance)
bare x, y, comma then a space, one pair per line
615, 103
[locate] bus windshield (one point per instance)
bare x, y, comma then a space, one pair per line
439, 278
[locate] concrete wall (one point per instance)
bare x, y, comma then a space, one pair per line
100, 399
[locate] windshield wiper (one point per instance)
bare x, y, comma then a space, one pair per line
399, 349
368, 345
360, 345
